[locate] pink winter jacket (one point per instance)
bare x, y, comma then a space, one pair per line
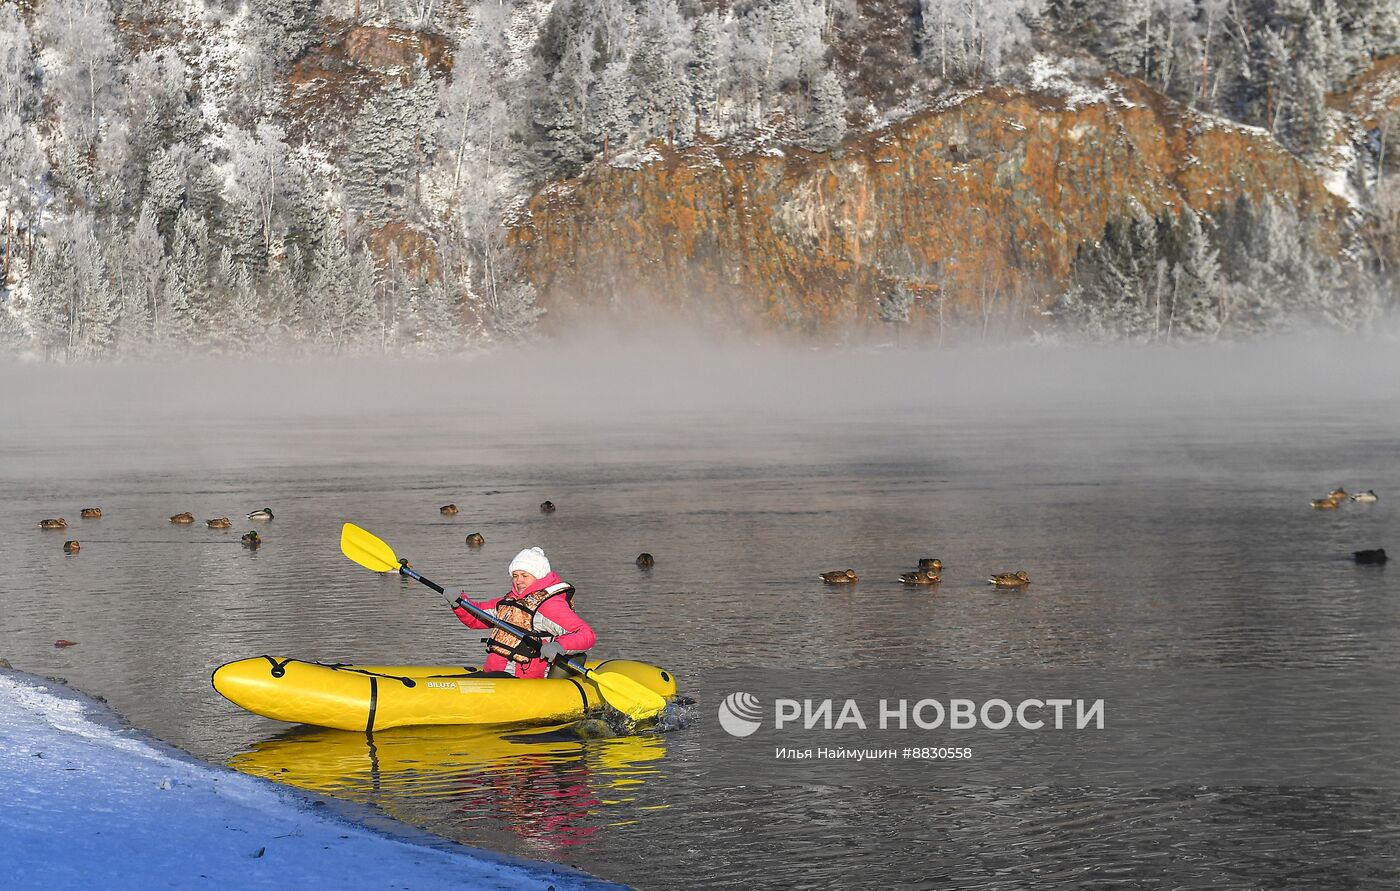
554, 619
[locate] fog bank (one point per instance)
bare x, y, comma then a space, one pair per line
607, 381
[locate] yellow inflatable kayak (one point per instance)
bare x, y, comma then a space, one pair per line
376, 697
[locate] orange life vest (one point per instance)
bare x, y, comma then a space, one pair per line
520, 612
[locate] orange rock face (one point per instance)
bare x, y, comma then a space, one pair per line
977, 207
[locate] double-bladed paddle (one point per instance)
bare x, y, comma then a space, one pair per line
622, 693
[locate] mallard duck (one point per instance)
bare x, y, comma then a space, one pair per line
1337, 494
185, 517
1375, 556
922, 577
71, 547
448, 509
1328, 503
547, 507
1017, 579
1366, 497
220, 523
251, 539
91, 513
840, 577
475, 540
60, 523
645, 560
264, 514
933, 563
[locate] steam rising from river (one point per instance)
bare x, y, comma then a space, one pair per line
665, 391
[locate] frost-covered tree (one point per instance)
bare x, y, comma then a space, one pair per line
610, 106
72, 305
95, 302
390, 137
514, 310
80, 74
281, 30
472, 104
705, 69
1120, 283
342, 291
245, 328
258, 183
139, 274
186, 301
567, 133
1199, 302
772, 45
826, 125
49, 308
658, 70
160, 113
22, 174
19, 69
435, 313
966, 40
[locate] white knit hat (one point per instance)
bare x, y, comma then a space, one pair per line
533, 561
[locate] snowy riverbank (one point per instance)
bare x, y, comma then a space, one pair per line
88, 802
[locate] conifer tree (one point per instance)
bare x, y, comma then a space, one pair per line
94, 301
185, 301
827, 124
705, 68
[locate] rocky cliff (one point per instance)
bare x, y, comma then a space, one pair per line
978, 206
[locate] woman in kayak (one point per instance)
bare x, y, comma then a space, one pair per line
538, 601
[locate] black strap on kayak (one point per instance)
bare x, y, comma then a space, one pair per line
582, 692
407, 682
278, 668
373, 703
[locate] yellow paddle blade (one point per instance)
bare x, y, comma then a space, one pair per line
627, 696
367, 550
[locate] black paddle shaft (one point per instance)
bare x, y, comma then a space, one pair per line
475, 610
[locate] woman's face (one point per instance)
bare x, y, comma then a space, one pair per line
520, 580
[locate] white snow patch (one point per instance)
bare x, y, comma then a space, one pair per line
87, 804
635, 158
955, 99
1048, 77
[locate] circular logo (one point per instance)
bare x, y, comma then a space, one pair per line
740, 714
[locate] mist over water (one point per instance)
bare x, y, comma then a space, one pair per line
720, 400
1157, 497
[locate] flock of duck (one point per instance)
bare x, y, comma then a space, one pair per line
1335, 499
930, 568
249, 539
930, 572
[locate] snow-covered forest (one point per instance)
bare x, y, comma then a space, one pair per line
176, 176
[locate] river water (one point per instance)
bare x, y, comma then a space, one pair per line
1158, 500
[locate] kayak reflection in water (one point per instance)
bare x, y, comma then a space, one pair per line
539, 601
549, 787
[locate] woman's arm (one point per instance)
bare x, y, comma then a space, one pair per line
577, 635
470, 620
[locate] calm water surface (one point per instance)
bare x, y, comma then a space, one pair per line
1160, 536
